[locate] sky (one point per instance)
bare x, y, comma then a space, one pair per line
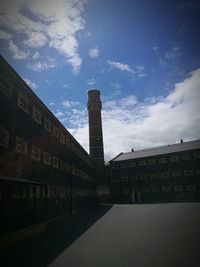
143, 55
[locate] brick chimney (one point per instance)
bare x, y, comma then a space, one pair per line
94, 107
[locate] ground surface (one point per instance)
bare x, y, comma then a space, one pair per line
152, 235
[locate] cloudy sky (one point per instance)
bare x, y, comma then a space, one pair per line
143, 55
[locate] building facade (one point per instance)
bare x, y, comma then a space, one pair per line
44, 171
162, 174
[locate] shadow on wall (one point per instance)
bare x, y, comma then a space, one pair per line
41, 249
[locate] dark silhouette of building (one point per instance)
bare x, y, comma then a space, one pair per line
159, 174
44, 171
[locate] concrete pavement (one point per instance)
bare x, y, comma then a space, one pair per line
153, 235
164, 235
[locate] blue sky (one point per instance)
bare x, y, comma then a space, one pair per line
142, 55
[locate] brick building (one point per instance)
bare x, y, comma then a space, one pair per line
159, 174
44, 171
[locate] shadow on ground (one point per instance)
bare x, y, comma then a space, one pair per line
41, 249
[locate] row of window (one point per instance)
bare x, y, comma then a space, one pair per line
154, 161
156, 189
37, 192
154, 176
45, 157
24, 103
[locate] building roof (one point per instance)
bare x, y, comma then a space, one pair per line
156, 151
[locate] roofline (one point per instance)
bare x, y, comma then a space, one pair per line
115, 157
154, 148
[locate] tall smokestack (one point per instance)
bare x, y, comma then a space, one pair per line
94, 107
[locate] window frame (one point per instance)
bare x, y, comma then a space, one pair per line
7, 133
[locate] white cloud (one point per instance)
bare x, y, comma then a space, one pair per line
55, 22
88, 34
170, 57
39, 66
135, 70
31, 84
128, 123
17, 53
59, 114
35, 39
65, 85
91, 82
4, 35
94, 52
36, 55
69, 104
119, 66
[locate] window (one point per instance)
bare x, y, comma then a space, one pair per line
73, 170
4, 137
67, 167
62, 138
154, 176
116, 180
176, 173
62, 165
124, 179
134, 178
5, 87
196, 155
56, 132
178, 188
72, 146
48, 191
132, 164
37, 115
173, 158
67, 142
165, 175
55, 162
35, 153
151, 161
114, 166
122, 165
23, 102
141, 163
186, 157
162, 160
47, 125
191, 188
166, 188
21, 146
47, 158
37, 191
155, 189
62, 191
188, 172
144, 177
145, 190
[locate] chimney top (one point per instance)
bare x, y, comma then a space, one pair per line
93, 91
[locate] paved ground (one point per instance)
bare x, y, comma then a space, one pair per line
152, 235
